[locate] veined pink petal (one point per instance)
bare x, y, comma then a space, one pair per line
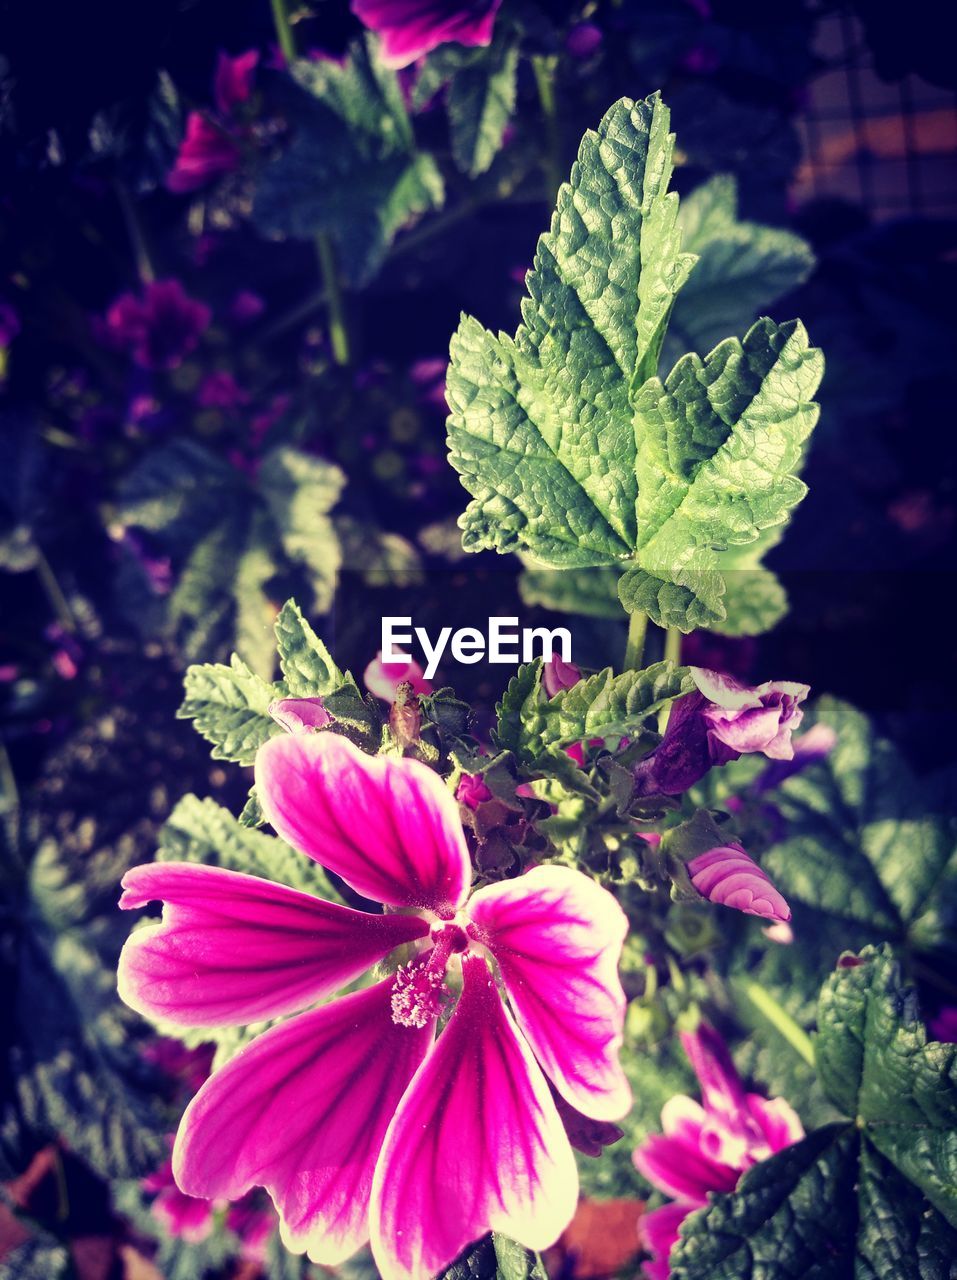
389, 828
658, 1231
233, 948
727, 875
302, 1112
557, 937
675, 1163
476, 1145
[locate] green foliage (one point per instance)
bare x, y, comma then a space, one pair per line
228, 537
480, 104
37, 1259
495, 1257
307, 665
590, 592
850, 1198
21, 492
578, 456
742, 268
230, 708
352, 169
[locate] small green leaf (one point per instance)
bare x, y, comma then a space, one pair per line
480, 104
514, 1261
520, 715
307, 664
605, 705
230, 708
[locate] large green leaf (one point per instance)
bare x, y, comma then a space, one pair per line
742, 268
352, 169
578, 456
869, 1199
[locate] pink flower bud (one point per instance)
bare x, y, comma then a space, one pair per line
472, 790
727, 875
558, 675
300, 715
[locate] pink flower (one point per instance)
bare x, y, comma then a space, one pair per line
721, 721
472, 790
352, 1116
300, 715
159, 328
558, 675
943, 1026
220, 390
233, 81
206, 153
584, 40
705, 1148
246, 307
411, 28
728, 876
183, 1217
383, 678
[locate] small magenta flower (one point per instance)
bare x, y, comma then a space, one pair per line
411, 28
159, 328
584, 40
558, 675
472, 790
233, 81
207, 152
355, 1119
706, 1146
722, 720
300, 715
384, 678
728, 876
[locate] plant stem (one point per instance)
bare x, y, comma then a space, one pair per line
544, 68
141, 254
338, 329
287, 41
10, 804
54, 593
673, 638
772, 1013
637, 626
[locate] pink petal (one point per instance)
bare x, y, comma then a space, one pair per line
389, 828
659, 1234
727, 875
476, 1145
232, 948
302, 1111
383, 678
777, 1120
557, 937
675, 1162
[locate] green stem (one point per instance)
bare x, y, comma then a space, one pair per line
782, 1022
141, 253
673, 638
338, 329
287, 41
54, 593
10, 803
544, 68
637, 626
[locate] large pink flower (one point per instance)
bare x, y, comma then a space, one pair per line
410, 28
353, 1117
706, 1146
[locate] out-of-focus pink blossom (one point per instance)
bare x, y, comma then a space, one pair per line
350, 1114
158, 328
233, 81
810, 748
429, 378
584, 40
300, 715
220, 390
706, 1146
943, 1025
727, 875
384, 678
207, 152
9, 324
246, 307
558, 675
411, 28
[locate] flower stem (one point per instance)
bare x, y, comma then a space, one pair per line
544, 68
141, 254
768, 1008
637, 626
338, 329
54, 593
673, 638
287, 41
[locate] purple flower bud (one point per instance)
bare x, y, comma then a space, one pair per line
233, 82
472, 791
727, 875
300, 715
206, 153
558, 675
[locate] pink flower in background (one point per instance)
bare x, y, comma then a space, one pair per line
411, 28
220, 390
558, 675
706, 1146
233, 81
207, 152
472, 790
159, 328
810, 748
300, 715
351, 1115
383, 678
721, 721
183, 1217
9, 323
943, 1026
584, 40
728, 876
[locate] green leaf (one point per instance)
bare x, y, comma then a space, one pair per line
590, 592
229, 536
577, 456
850, 1199
514, 1261
720, 443
540, 425
742, 268
754, 600
230, 708
480, 104
352, 170
520, 716
307, 664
